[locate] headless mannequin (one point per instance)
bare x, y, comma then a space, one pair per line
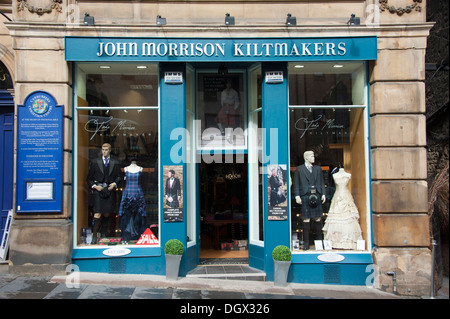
308, 156
133, 168
130, 222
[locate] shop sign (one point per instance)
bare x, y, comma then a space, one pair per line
148, 238
330, 257
116, 252
39, 154
219, 49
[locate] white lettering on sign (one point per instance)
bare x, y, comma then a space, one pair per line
116, 252
148, 238
212, 49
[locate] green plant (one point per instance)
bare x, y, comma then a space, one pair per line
281, 253
174, 247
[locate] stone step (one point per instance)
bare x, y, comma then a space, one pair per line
229, 272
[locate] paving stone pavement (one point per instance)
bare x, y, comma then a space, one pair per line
106, 286
34, 287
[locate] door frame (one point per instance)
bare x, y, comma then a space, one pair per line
255, 248
6, 167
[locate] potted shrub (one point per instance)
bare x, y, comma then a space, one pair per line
173, 250
282, 261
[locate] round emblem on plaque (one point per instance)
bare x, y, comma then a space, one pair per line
39, 106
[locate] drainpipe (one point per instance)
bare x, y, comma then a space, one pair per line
433, 254
394, 279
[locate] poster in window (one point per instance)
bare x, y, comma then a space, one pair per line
277, 192
173, 193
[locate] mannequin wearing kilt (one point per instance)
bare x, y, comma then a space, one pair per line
103, 177
308, 181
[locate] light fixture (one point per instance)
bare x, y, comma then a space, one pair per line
338, 66
160, 21
290, 20
299, 66
228, 19
222, 69
104, 67
88, 20
354, 20
141, 67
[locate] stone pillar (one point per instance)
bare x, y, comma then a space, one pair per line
42, 243
398, 155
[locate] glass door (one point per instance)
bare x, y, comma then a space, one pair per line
255, 174
191, 172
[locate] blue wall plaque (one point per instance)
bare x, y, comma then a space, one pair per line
39, 155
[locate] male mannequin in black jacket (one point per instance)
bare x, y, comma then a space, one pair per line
308, 180
103, 177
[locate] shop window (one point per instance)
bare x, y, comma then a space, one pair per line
332, 216
116, 109
326, 84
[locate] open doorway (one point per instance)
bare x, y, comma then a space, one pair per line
224, 209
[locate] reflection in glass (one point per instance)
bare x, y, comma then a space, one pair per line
326, 84
120, 85
220, 109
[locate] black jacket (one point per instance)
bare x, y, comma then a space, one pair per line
98, 173
303, 180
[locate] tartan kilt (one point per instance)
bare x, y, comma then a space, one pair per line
307, 211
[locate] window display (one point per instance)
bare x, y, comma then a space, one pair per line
116, 154
328, 161
309, 192
342, 229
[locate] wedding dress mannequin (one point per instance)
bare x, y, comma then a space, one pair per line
341, 226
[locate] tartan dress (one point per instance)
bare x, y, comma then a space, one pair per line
133, 191
132, 208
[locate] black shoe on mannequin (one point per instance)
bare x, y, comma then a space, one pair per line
95, 228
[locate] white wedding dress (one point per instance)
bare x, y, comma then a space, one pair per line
342, 224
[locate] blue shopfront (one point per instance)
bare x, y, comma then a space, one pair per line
223, 118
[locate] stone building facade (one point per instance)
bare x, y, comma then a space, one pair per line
33, 46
